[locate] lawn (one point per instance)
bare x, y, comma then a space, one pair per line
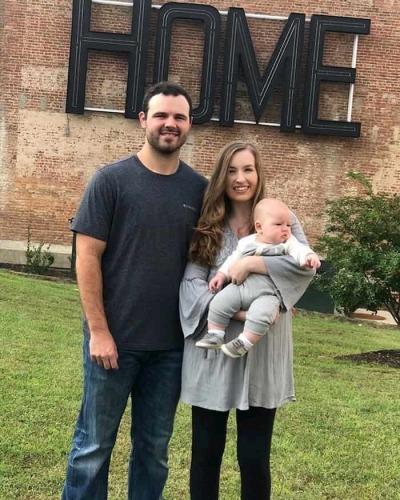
340, 440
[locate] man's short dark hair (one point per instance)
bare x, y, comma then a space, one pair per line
165, 88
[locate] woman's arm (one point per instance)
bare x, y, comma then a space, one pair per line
194, 298
290, 279
246, 265
297, 230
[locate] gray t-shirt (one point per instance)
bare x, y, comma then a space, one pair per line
147, 221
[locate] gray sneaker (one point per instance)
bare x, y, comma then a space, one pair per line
234, 349
210, 341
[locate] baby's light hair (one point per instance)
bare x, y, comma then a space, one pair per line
268, 205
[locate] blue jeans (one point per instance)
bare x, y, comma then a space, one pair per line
153, 379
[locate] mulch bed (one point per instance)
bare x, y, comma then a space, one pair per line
390, 357
52, 274
371, 316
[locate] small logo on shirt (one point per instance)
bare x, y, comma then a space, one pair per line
189, 207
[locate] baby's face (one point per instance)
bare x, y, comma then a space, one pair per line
274, 227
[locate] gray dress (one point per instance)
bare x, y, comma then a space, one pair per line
264, 377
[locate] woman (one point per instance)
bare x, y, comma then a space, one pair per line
258, 383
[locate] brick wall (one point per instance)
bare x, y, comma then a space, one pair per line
47, 156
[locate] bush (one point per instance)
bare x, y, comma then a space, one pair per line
38, 259
362, 241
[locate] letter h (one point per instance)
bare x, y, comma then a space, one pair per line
134, 43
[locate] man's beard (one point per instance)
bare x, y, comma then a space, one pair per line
167, 148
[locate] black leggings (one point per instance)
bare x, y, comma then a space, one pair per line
254, 435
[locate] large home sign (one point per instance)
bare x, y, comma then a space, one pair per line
239, 58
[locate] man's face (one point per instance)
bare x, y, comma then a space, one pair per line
167, 123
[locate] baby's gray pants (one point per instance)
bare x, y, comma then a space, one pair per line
257, 295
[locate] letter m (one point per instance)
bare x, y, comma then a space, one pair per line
286, 58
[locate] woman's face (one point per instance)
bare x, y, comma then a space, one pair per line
242, 177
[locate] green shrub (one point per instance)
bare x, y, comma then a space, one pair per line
362, 241
39, 258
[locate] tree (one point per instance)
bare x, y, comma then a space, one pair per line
362, 241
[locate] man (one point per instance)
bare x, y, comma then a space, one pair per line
133, 230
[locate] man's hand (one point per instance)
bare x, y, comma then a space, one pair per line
103, 350
217, 282
312, 261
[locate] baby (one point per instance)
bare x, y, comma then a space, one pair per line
257, 294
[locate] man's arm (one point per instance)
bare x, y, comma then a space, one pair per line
89, 252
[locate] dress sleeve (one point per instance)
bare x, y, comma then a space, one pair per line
290, 279
194, 298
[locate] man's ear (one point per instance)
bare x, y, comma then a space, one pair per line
142, 119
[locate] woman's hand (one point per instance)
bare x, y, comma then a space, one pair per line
245, 266
240, 316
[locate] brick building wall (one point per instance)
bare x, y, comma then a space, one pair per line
47, 156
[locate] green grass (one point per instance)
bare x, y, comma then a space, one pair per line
340, 440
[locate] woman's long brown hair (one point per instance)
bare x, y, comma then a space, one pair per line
208, 235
